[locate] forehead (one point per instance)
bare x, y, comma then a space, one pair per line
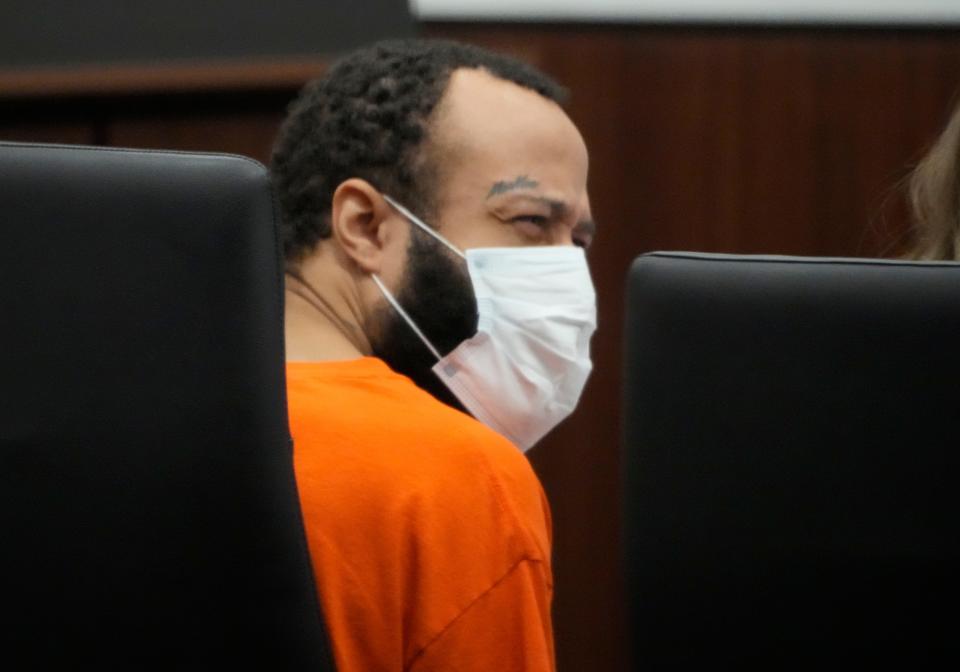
489, 129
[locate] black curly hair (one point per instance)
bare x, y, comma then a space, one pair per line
368, 117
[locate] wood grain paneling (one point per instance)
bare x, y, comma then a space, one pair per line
236, 133
76, 133
753, 141
788, 141
199, 76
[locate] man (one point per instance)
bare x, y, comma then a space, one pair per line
434, 202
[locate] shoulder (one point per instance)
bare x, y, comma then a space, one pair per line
382, 437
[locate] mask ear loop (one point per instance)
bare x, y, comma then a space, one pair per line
416, 220
396, 306
386, 293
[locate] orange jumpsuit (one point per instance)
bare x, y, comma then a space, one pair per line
429, 533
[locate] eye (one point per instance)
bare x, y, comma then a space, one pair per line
532, 228
538, 220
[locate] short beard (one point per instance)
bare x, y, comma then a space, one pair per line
438, 296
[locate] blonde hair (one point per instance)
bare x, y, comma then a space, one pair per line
934, 192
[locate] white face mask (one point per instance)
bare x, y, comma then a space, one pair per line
523, 371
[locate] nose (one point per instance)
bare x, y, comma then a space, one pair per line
579, 234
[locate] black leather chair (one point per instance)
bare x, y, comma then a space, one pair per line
792, 462
148, 510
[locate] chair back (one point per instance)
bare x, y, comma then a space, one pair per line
792, 464
148, 510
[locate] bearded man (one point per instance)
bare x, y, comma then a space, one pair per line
438, 317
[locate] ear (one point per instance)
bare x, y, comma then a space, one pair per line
360, 224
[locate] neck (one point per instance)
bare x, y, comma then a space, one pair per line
321, 322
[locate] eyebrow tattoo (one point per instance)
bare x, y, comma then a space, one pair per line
522, 182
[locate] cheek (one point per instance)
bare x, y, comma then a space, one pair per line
496, 233
393, 260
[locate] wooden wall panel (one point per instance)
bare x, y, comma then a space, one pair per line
240, 122
71, 133
787, 141
236, 133
753, 141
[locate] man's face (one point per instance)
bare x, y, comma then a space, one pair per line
513, 167
512, 172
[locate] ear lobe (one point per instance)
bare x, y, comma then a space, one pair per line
357, 217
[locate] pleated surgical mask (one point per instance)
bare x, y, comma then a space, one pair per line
524, 370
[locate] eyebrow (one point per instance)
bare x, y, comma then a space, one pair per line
503, 186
